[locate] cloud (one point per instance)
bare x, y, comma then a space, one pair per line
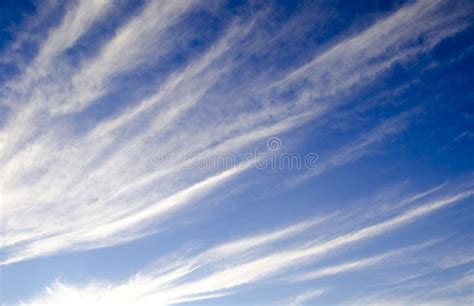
65, 190
306, 296
205, 275
361, 263
456, 290
359, 147
116, 223
78, 19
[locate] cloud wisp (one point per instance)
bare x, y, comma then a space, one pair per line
64, 190
247, 261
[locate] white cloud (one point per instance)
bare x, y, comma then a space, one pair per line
204, 275
62, 191
358, 148
361, 263
305, 297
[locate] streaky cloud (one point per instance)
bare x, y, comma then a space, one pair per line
174, 287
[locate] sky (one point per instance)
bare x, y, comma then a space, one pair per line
236, 152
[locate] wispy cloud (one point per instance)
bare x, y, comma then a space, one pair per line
202, 276
87, 172
109, 131
457, 290
358, 148
66, 190
306, 297
361, 263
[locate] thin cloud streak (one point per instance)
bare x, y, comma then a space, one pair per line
361, 263
87, 172
169, 288
358, 148
76, 22
118, 222
305, 297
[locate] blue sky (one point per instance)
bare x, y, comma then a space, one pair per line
236, 152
